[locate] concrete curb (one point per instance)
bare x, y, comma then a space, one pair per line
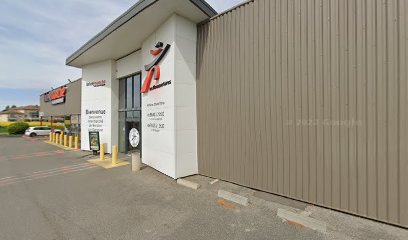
188, 184
233, 197
214, 181
303, 220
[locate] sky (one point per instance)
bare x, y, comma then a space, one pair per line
37, 36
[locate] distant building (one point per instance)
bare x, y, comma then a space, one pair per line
20, 114
63, 104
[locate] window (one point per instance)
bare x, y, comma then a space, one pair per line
122, 94
137, 87
129, 93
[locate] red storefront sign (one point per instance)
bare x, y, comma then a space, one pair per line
56, 96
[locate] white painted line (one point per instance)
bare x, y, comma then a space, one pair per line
66, 166
303, 220
188, 184
37, 177
232, 197
47, 172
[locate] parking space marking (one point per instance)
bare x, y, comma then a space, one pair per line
46, 173
42, 172
36, 154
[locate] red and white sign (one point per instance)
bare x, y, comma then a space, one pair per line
56, 96
154, 69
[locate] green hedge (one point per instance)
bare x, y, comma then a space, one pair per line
3, 129
17, 128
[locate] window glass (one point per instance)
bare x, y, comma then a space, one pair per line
129, 93
122, 94
122, 132
136, 84
133, 116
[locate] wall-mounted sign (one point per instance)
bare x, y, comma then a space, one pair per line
56, 96
95, 120
153, 68
98, 83
94, 144
134, 137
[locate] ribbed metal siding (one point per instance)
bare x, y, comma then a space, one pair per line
308, 99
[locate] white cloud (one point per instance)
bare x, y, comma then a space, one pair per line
37, 36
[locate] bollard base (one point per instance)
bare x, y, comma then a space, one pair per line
136, 163
107, 164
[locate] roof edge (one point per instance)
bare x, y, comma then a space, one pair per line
205, 7
115, 24
133, 11
226, 11
68, 83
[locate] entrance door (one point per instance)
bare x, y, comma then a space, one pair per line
127, 121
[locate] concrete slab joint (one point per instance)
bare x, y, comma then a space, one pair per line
233, 197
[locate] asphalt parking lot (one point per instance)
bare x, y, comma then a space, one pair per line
50, 193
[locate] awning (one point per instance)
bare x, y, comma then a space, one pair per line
126, 34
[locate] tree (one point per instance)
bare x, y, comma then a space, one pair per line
7, 107
13, 106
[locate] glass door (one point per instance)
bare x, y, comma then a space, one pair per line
129, 111
133, 120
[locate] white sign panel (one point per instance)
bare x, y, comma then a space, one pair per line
134, 137
96, 103
158, 128
168, 102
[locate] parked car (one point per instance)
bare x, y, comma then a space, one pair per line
40, 131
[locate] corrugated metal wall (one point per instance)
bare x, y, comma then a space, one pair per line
309, 99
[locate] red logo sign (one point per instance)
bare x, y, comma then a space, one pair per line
153, 68
56, 94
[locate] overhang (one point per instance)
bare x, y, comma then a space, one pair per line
127, 33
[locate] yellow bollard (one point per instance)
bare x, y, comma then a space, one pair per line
50, 137
76, 142
102, 152
61, 137
70, 142
65, 140
114, 155
56, 138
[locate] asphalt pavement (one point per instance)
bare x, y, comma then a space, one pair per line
49, 193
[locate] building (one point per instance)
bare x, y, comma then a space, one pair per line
63, 104
305, 99
20, 114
